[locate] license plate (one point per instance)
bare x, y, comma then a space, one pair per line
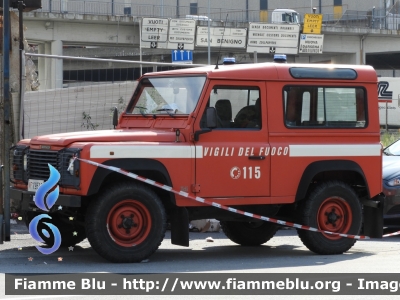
33, 184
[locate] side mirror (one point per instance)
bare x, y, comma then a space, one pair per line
115, 117
211, 122
211, 117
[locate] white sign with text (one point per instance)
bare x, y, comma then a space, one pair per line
221, 37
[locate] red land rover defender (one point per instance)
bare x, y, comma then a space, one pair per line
298, 143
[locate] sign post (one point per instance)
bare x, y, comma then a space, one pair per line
182, 56
221, 37
311, 43
273, 38
154, 32
181, 34
312, 23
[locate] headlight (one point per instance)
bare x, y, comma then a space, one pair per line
25, 162
394, 182
71, 166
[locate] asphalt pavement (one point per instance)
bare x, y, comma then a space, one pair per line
209, 252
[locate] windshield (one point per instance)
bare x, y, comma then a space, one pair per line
291, 18
296, 18
167, 95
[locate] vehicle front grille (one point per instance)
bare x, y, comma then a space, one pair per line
17, 160
37, 163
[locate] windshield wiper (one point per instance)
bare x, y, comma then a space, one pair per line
168, 111
387, 153
141, 108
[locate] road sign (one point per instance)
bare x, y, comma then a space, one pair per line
181, 34
311, 43
273, 38
221, 37
312, 23
154, 30
182, 56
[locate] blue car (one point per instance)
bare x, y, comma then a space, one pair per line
391, 184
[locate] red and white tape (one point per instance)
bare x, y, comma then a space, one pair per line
234, 210
391, 234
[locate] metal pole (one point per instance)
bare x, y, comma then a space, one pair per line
373, 17
22, 76
208, 38
115, 60
247, 10
140, 45
386, 125
2, 224
7, 117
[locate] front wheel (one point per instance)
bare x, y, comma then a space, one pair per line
333, 206
126, 223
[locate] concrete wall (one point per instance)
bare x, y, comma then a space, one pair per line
60, 110
151, 6
303, 6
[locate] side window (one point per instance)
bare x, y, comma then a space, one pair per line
236, 107
193, 8
307, 106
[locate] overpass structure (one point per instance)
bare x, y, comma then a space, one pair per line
354, 39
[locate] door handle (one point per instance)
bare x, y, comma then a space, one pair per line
257, 157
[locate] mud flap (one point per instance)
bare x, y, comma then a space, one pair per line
373, 217
180, 227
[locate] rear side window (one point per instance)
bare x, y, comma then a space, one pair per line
321, 107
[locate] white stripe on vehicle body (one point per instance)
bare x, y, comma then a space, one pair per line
335, 150
182, 151
145, 151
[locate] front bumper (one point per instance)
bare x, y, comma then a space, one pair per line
391, 209
25, 200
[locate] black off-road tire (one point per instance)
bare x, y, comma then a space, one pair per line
71, 232
126, 223
333, 206
249, 233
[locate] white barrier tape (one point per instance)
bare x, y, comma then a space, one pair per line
391, 234
202, 200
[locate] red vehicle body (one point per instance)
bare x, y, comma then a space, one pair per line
298, 143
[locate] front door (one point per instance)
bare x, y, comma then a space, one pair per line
233, 160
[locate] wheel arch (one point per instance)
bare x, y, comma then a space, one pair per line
148, 168
330, 169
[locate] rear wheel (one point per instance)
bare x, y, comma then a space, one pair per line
126, 223
249, 233
333, 206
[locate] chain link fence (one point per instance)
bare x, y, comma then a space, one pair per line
90, 89
379, 18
